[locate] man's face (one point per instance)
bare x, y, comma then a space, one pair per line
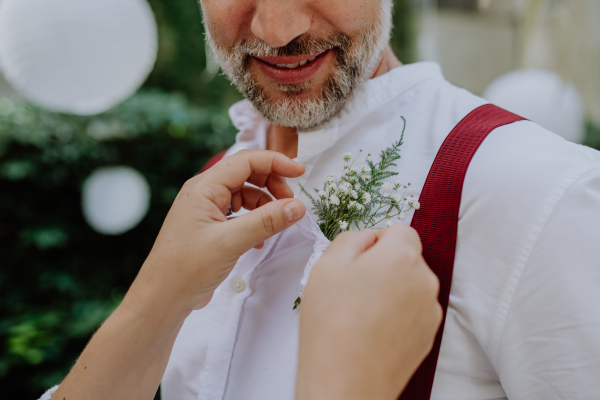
298, 61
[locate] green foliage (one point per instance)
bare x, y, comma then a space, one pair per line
59, 279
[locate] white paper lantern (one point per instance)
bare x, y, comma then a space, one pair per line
542, 97
77, 56
115, 199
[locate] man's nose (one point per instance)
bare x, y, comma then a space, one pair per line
278, 22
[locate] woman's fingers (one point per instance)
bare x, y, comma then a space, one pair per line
253, 198
349, 245
253, 228
253, 166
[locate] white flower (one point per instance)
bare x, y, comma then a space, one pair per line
387, 187
366, 197
331, 178
354, 194
345, 187
366, 169
357, 186
333, 199
414, 203
359, 207
352, 204
353, 170
402, 216
332, 187
343, 225
398, 183
389, 222
367, 178
347, 156
396, 197
322, 194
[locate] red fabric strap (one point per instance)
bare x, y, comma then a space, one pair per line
437, 219
214, 159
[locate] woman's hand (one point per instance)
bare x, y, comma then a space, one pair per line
196, 249
368, 317
197, 246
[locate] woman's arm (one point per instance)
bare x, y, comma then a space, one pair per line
195, 250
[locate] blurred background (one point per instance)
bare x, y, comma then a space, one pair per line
108, 106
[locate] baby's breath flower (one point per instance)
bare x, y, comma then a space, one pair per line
332, 187
354, 194
366, 198
322, 194
389, 222
343, 225
367, 178
359, 207
396, 197
357, 186
347, 156
414, 203
387, 187
333, 199
366, 169
353, 170
331, 178
352, 204
398, 183
402, 216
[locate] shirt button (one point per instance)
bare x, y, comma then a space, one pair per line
238, 285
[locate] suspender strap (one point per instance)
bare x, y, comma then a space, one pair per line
437, 219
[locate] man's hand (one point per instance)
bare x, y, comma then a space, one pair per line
369, 317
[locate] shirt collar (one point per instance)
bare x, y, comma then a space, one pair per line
313, 142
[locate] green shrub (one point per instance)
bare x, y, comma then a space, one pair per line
59, 279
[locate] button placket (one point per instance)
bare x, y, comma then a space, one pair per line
231, 297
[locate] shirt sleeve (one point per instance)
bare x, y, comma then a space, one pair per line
49, 393
550, 344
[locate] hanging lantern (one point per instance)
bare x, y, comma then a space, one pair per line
542, 97
77, 56
115, 199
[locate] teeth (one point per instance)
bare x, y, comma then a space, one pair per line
295, 65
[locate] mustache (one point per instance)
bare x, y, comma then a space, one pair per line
301, 45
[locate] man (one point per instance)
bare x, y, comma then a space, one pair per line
320, 81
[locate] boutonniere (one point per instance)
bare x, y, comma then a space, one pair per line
361, 197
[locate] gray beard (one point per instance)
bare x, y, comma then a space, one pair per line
355, 63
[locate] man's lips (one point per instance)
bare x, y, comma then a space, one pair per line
292, 69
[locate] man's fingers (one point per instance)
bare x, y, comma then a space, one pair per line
253, 228
349, 245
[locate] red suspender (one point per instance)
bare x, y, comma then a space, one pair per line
437, 219
213, 160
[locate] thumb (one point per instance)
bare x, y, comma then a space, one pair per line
258, 225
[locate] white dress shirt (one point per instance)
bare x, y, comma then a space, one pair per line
524, 314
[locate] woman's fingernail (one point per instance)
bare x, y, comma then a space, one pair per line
293, 211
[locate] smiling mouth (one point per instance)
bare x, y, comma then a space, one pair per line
292, 69
294, 65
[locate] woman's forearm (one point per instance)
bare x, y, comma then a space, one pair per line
127, 357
